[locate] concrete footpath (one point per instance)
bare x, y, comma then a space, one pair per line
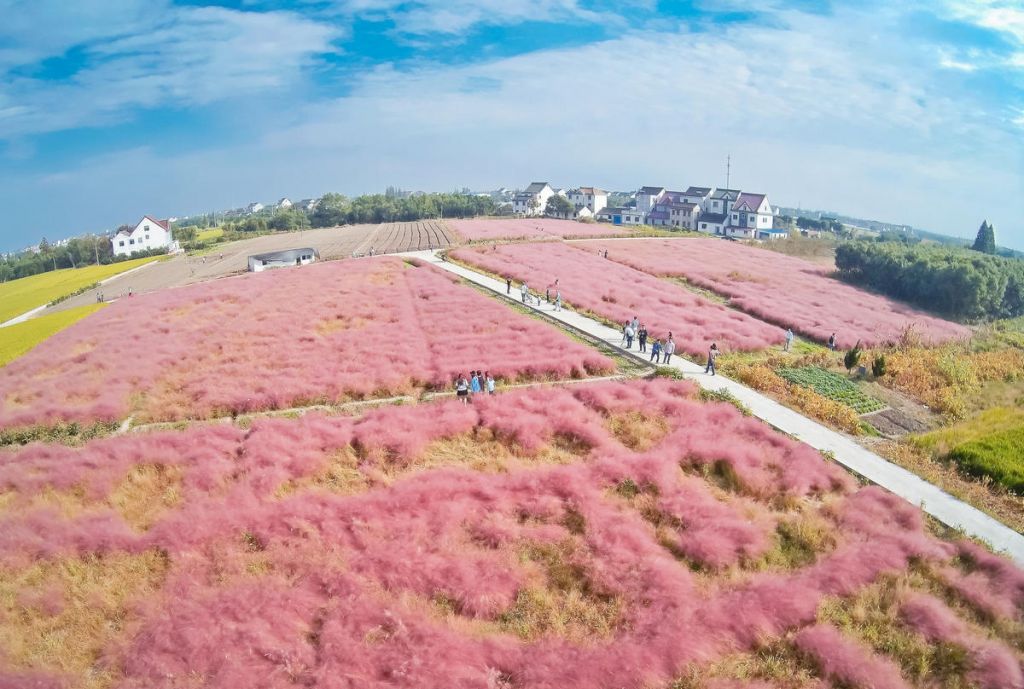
934, 501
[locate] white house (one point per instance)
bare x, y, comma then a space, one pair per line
148, 234
698, 195
721, 200
254, 207
591, 198
284, 203
712, 223
621, 216
646, 197
533, 200
749, 216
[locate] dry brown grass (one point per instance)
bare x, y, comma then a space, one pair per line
777, 662
637, 430
57, 616
146, 493
341, 475
561, 600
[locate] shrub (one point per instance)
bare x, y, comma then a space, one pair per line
852, 357
878, 366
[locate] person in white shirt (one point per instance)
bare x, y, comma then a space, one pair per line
789, 338
558, 299
669, 348
629, 336
490, 383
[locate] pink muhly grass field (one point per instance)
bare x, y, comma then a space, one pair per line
781, 289
617, 292
483, 229
320, 333
416, 574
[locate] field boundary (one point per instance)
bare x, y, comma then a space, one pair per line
912, 488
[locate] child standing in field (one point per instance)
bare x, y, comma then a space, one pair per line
490, 383
656, 352
712, 355
462, 389
789, 338
670, 348
641, 336
474, 383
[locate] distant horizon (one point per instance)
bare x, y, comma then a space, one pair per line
110, 228
109, 110
965, 238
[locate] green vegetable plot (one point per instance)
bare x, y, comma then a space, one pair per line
833, 386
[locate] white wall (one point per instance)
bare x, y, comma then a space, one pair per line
146, 235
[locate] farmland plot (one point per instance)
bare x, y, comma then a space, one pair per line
600, 535
617, 293
784, 290
321, 333
482, 229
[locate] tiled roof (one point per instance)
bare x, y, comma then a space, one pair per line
535, 187
713, 217
697, 191
651, 191
725, 193
749, 202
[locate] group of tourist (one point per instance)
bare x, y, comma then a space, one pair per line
528, 298
477, 383
635, 329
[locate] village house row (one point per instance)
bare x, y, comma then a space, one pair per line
726, 212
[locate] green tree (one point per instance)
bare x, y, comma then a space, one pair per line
184, 234
985, 241
559, 205
331, 210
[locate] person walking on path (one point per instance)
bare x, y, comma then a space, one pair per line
474, 383
558, 299
712, 355
832, 342
656, 352
629, 336
525, 291
669, 349
625, 326
789, 339
547, 294
508, 285
462, 389
490, 383
641, 336
636, 324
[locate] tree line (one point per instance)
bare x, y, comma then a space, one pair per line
959, 283
75, 253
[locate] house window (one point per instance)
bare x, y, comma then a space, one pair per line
121, 243
735, 216
703, 226
146, 228
131, 241
147, 237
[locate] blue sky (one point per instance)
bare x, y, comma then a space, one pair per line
110, 109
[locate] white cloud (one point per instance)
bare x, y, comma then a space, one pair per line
183, 56
840, 112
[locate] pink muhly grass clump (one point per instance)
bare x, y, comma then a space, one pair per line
481, 229
994, 665
711, 532
405, 431
533, 419
617, 293
371, 327
784, 290
32, 680
848, 661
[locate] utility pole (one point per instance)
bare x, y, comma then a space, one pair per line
728, 169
